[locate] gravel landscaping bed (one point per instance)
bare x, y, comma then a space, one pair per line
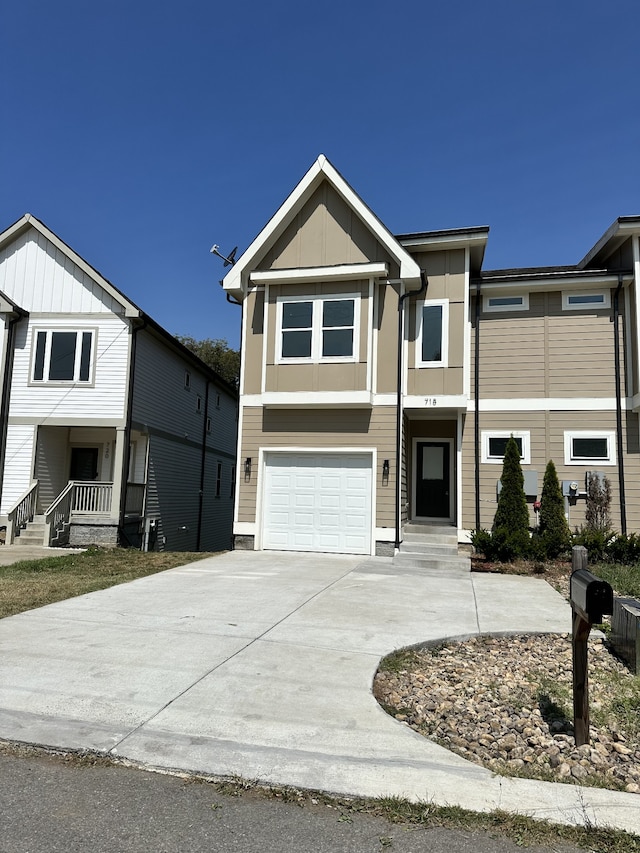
506, 703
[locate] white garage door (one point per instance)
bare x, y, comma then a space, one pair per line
318, 502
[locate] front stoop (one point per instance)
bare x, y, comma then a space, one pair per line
33, 533
431, 547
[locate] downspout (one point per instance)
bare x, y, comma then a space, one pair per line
476, 395
203, 463
126, 456
401, 298
6, 394
616, 339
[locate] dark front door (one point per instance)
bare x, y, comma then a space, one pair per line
432, 479
84, 463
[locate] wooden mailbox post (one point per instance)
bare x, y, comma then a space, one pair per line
591, 599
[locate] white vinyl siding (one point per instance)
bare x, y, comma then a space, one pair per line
18, 464
318, 502
105, 397
39, 278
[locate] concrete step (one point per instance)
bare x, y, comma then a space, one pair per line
436, 538
30, 537
442, 564
426, 546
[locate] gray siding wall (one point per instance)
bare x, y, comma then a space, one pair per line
52, 464
165, 409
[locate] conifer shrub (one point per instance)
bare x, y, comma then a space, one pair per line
553, 532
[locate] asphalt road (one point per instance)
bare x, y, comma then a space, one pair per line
49, 804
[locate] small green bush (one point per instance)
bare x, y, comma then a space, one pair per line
623, 549
595, 541
481, 541
512, 514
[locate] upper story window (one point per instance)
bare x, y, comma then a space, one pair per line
319, 328
63, 356
583, 301
495, 304
432, 333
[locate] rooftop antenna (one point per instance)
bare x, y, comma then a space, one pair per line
229, 260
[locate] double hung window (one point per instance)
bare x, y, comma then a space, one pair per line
432, 333
318, 328
63, 356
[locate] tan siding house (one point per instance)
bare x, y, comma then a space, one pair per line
382, 375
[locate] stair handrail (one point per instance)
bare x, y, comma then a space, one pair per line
58, 513
22, 512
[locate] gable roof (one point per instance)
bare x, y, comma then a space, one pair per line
131, 310
29, 221
235, 280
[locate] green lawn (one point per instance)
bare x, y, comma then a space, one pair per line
34, 583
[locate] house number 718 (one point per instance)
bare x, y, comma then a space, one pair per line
431, 401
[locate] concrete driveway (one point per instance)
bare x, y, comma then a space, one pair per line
260, 664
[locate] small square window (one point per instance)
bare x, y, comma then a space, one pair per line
494, 444
584, 447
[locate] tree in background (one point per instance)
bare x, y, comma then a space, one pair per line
553, 530
597, 515
217, 354
511, 522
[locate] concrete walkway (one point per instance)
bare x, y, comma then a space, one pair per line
260, 665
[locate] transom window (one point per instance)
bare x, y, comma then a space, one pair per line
432, 333
495, 304
494, 444
583, 447
583, 301
318, 328
65, 356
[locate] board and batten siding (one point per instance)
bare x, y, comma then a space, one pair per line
332, 429
546, 352
18, 465
105, 397
38, 277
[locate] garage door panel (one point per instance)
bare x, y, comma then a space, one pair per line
318, 502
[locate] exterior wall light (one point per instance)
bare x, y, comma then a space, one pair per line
247, 468
385, 471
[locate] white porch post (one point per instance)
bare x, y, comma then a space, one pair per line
118, 463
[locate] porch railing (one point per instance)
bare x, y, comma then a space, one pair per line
91, 498
57, 517
22, 512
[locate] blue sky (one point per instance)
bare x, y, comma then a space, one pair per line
142, 133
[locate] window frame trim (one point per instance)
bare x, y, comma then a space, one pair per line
444, 360
317, 301
587, 306
487, 308
590, 461
487, 434
49, 331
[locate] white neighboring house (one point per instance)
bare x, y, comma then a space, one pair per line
111, 431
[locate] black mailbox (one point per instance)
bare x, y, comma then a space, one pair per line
592, 597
